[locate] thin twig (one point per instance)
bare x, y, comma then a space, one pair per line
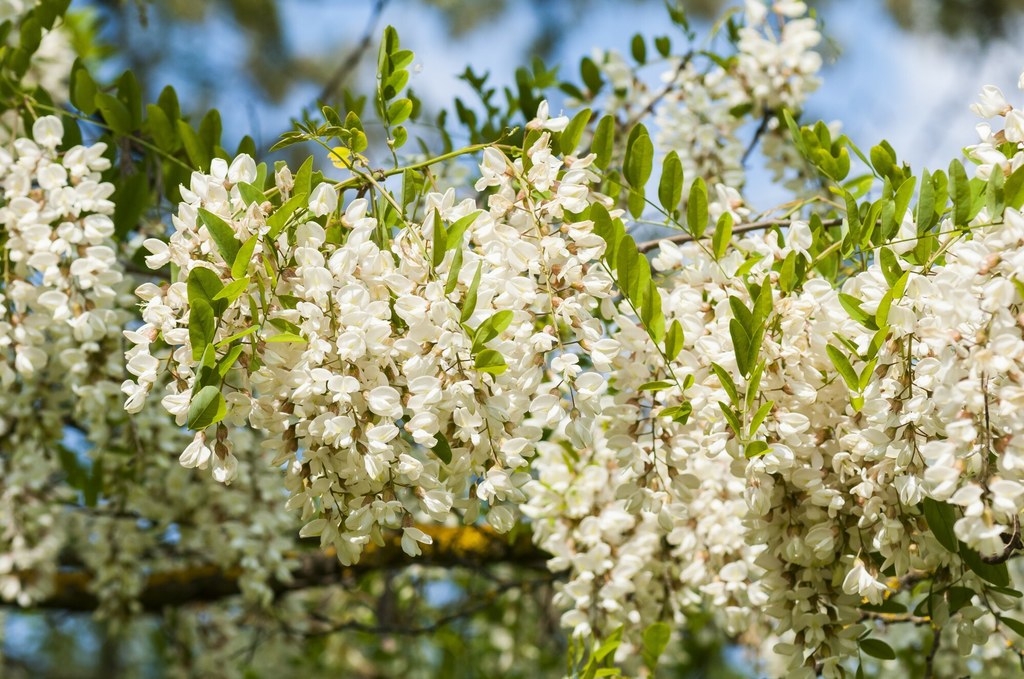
483, 603
766, 118
346, 67
646, 246
929, 662
665, 91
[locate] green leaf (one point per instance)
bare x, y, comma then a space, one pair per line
237, 336
610, 644
996, 573
303, 183
286, 337
887, 606
1013, 191
114, 113
243, 257
655, 386
680, 413
787, 274
639, 50
440, 240
639, 160
83, 89
758, 419
749, 264
604, 141
201, 327
995, 194
697, 208
755, 449
655, 641
762, 306
741, 345
453, 273
636, 202
726, 379
891, 268
650, 311
210, 130
627, 269
852, 306
753, 384
456, 230
1016, 625
285, 326
958, 597
469, 301
130, 202
591, 75
250, 194
732, 419
574, 131
206, 408
194, 148
204, 284
941, 517
960, 190
723, 235
161, 128
442, 449
842, 364
664, 45
903, 196
279, 218
925, 202
222, 234
233, 290
491, 328
877, 648
399, 111
674, 340
490, 361
225, 364
670, 186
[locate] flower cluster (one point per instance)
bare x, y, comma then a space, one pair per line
411, 378
881, 430
705, 108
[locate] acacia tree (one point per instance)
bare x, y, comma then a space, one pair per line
286, 412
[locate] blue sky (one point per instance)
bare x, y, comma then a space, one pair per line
912, 88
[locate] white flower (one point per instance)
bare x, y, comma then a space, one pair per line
992, 103
385, 401
197, 454
48, 131
412, 538
225, 468
323, 200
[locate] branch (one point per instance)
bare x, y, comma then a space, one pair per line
348, 65
761, 129
481, 603
470, 546
649, 245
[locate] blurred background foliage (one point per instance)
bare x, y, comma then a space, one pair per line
151, 35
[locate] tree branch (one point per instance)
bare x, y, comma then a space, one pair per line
766, 118
346, 67
649, 245
470, 546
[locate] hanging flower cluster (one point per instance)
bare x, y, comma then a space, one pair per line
868, 438
413, 379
